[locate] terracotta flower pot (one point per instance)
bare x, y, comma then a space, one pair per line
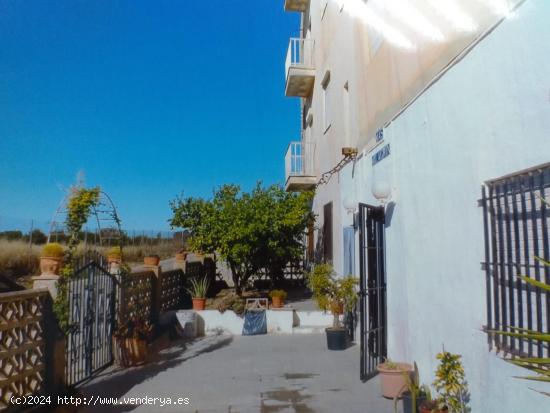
277, 302
151, 260
393, 381
113, 258
50, 265
428, 410
133, 351
181, 256
199, 304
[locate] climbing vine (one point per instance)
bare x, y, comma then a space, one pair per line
79, 206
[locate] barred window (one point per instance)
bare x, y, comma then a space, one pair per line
516, 223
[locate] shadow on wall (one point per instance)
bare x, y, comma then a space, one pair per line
390, 208
319, 247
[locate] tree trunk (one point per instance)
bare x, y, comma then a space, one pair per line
335, 320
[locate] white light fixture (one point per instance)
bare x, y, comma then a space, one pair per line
350, 203
381, 190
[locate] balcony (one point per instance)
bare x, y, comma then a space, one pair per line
299, 68
296, 5
299, 169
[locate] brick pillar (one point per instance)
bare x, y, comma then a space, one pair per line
155, 307
48, 281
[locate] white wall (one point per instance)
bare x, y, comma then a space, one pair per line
486, 117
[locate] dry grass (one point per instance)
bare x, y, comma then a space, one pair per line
17, 259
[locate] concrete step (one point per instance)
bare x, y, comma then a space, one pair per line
313, 318
309, 330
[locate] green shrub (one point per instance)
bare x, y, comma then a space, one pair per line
331, 292
53, 250
199, 287
115, 252
278, 293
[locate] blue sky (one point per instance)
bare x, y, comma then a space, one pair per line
149, 98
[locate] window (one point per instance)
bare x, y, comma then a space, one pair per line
327, 233
327, 120
516, 225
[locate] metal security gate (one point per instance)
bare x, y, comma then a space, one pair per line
372, 301
92, 309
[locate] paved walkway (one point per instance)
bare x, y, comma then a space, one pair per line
265, 374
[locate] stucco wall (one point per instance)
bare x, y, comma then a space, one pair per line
486, 117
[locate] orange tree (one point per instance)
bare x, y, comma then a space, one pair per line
258, 230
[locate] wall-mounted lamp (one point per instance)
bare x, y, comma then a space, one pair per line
350, 203
381, 190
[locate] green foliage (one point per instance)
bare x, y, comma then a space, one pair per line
390, 365
37, 237
199, 287
53, 250
115, 252
79, 206
278, 293
330, 291
413, 386
540, 366
450, 382
251, 231
11, 235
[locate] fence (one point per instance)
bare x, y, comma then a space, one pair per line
30, 353
26, 350
36, 231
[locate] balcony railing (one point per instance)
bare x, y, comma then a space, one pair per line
299, 166
300, 67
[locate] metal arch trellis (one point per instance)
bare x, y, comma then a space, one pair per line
108, 230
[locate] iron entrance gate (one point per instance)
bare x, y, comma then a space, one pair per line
372, 301
92, 306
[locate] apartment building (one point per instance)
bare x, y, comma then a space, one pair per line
426, 136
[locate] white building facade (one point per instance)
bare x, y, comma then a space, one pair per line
440, 99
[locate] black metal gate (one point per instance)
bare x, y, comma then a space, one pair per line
92, 317
372, 301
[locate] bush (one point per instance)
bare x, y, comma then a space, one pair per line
278, 293
53, 250
115, 252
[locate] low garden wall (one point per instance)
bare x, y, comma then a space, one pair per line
279, 321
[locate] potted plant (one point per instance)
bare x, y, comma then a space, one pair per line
450, 383
114, 255
333, 294
132, 337
433, 406
51, 258
277, 298
181, 255
393, 378
412, 393
151, 259
198, 290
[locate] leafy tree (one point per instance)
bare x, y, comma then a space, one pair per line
11, 235
251, 231
38, 237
